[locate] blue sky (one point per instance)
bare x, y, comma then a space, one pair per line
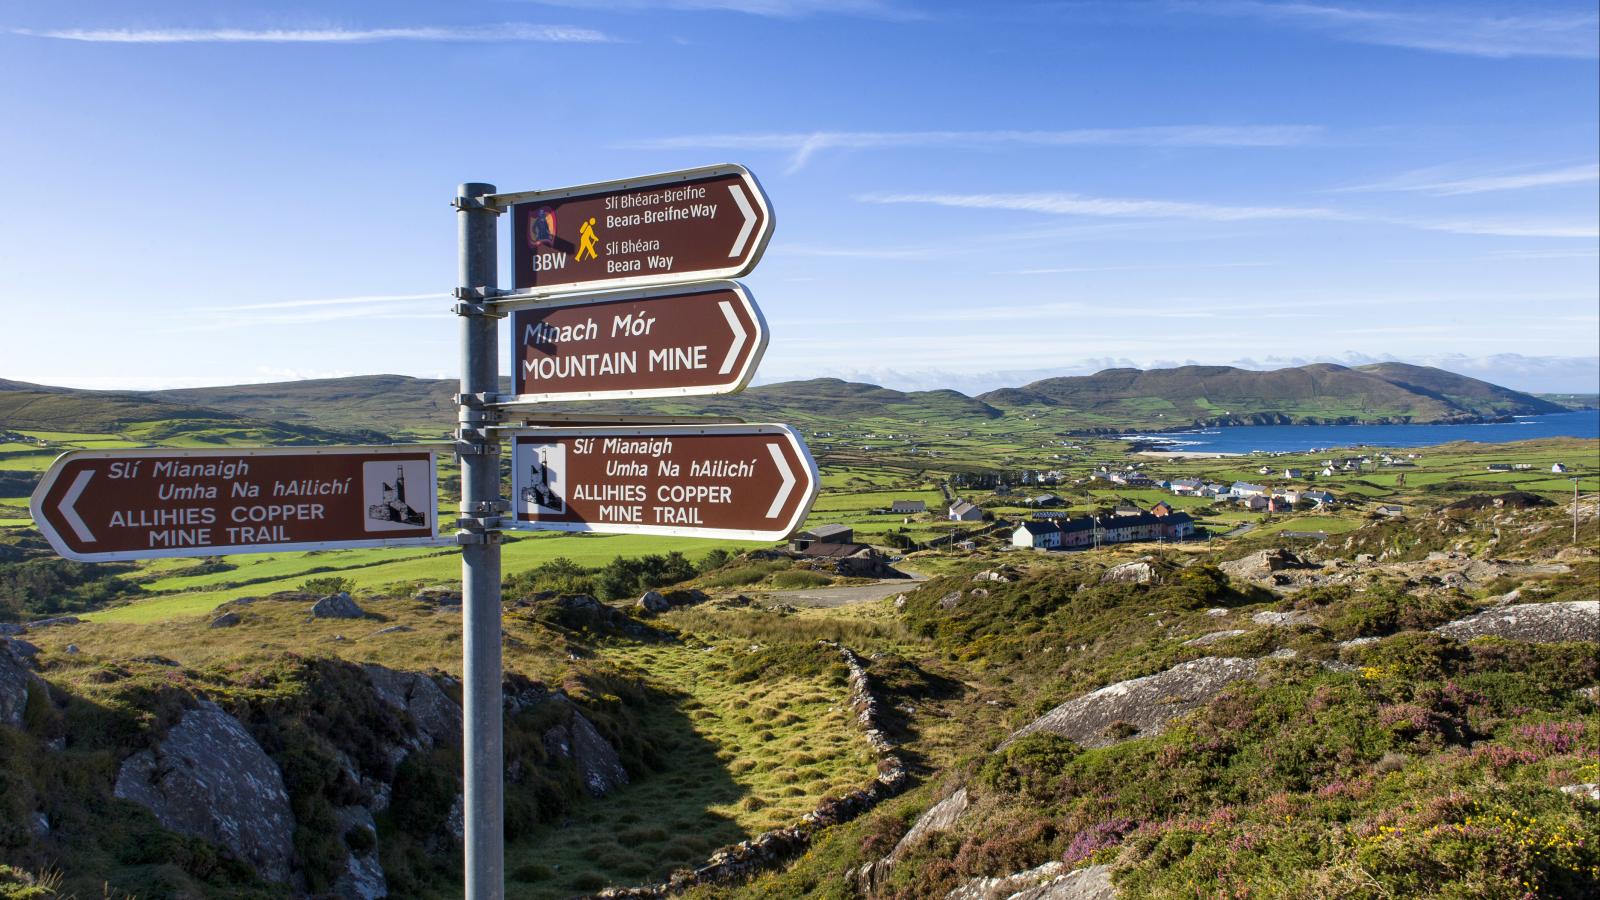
967, 194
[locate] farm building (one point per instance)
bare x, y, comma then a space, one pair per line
908, 506
963, 511
824, 534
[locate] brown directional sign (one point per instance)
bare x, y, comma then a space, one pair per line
658, 342
749, 482
712, 222
107, 505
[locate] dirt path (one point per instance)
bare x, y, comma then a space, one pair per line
844, 596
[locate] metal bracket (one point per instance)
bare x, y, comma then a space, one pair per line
466, 446
475, 310
483, 508
464, 538
466, 203
482, 401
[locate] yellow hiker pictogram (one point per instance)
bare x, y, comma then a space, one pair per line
587, 240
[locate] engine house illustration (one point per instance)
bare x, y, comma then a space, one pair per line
393, 507
539, 492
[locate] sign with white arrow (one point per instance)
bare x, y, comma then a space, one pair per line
107, 505
691, 225
744, 482
659, 342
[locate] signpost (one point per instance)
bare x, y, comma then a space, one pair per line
745, 482
696, 339
105, 505
711, 222
651, 334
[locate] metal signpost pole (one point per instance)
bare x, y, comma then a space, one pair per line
478, 449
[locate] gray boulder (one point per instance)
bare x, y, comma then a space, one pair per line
438, 717
8, 629
1293, 617
1214, 637
337, 606
597, 761
1262, 564
209, 779
1543, 623
15, 680
941, 816
652, 601
1136, 572
362, 878
1147, 704
1047, 882
226, 620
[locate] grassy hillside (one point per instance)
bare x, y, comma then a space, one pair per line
138, 417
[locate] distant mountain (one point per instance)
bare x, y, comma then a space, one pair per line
1111, 400
144, 418
1314, 394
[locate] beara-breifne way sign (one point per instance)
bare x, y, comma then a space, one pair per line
744, 482
656, 342
107, 505
690, 225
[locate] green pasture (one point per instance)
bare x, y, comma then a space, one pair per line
380, 569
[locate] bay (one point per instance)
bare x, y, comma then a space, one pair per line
1584, 423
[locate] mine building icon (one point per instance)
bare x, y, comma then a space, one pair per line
393, 507
539, 492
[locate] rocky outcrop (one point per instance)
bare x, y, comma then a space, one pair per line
337, 606
15, 681
363, 877
226, 620
1206, 640
941, 816
653, 602
1261, 564
1145, 704
1284, 619
1050, 881
208, 778
1577, 620
1136, 572
597, 761
438, 718
1117, 712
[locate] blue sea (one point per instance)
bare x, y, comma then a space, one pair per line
1583, 423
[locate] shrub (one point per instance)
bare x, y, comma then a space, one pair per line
327, 584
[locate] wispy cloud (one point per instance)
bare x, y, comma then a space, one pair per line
1438, 183
1064, 204
1061, 204
1512, 30
507, 31
803, 145
784, 9
1508, 227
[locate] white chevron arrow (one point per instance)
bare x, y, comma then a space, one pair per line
788, 481
749, 219
739, 337
71, 500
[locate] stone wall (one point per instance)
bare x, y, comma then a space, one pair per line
772, 848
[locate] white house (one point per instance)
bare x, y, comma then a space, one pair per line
1037, 535
1292, 473
1558, 469
908, 506
962, 511
1246, 489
